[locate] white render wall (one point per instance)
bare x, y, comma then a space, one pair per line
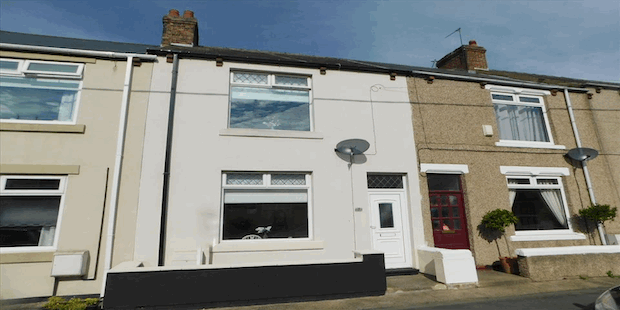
203, 148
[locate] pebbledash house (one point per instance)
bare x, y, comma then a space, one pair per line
253, 175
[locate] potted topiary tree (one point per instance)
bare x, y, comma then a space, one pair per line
493, 227
599, 214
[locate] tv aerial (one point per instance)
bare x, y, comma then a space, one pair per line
582, 154
352, 147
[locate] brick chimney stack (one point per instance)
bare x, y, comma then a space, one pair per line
181, 30
467, 57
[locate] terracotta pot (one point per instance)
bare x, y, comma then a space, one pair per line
510, 265
505, 264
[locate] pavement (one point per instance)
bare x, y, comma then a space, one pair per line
407, 291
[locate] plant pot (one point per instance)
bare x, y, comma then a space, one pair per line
509, 264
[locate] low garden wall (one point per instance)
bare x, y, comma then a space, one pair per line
545, 264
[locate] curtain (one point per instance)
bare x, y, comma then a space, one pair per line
66, 105
511, 195
554, 203
522, 123
47, 236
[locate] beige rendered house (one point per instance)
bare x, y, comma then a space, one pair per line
64, 106
489, 139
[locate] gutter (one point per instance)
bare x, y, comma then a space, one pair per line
500, 82
166, 186
584, 166
75, 52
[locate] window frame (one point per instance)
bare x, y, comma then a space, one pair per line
61, 191
267, 186
23, 72
515, 93
532, 174
271, 84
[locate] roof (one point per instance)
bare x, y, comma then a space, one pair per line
298, 60
330, 63
61, 42
557, 80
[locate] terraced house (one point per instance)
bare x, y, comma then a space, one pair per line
245, 171
65, 106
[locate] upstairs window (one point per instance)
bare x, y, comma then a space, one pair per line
30, 208
270, 101
39, 91
521, 117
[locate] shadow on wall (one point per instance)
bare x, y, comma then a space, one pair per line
585, 226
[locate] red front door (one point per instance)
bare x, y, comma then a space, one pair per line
448, 211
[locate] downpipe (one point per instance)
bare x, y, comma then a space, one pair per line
584, 166
116, 178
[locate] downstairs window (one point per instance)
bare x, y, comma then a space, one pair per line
29, 210
265, 205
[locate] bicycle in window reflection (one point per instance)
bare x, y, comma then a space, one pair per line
261, 233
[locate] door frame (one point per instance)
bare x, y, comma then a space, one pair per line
404, 210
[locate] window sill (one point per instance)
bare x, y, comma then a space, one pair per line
267, 245
26, 255
548, 236
23, 127
530, 145
238, 132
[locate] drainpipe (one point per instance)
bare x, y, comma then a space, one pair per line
116, 178
586, 173
166, 186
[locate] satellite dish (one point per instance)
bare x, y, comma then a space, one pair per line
582, 154
352, 147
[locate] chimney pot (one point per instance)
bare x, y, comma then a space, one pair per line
173, 13
187, 14
473, 42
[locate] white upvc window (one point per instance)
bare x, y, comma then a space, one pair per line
521, 117
272, 101
39, 91
258, 205
537, 198
30, 212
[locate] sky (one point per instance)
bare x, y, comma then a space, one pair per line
577, 39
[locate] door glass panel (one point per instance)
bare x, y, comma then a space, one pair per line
433, 200
443, 182
444, 200
445, 212
434, 212
385, 215
447, 225
436, 224
455, 211
457, 224
453, 200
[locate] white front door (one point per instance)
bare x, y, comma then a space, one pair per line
388, 228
